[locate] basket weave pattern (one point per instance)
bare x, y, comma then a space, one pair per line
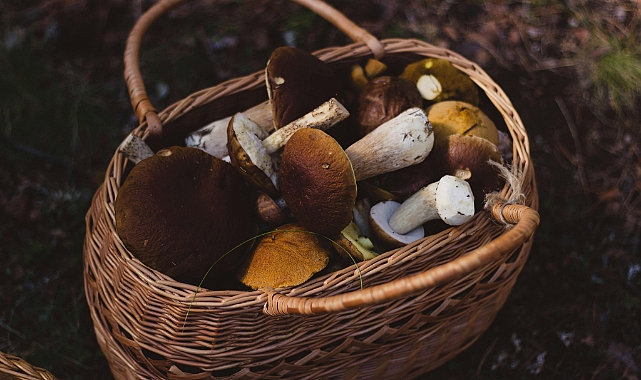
150, 326
13, 367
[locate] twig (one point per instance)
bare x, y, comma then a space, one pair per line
485, 356
577, 144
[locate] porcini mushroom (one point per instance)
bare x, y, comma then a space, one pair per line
297, 82
438, 80
405, 140
382, 99
456, 117
317, 181
212, 138
181, 210
468, 158
352, 245
450, 199
248, 155
288, 256
383, 234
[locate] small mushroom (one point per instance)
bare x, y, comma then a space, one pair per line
456, 117
383, 234
362, 75
288, 256
181, 210
438, 80
212, 138
269, 210
405, 140
468, 158
352, 245
248, 155
382, 99
297, 82
450, 199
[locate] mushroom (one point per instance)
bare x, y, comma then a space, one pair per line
352, 245
468, 158
287, 256
297, 82
383, 234
135, 148
212, 138
405, 140
317, 181
181, 210
250, 148
456, 117
249, 156
361, 75
269, 210
450, 199
438, 80
382, 99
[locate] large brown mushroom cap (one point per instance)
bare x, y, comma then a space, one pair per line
317, 181
383, 98
181, 210
298, 82
288, 256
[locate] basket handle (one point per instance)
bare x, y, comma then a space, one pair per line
138, 94
525, 219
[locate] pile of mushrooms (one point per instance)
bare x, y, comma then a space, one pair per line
419, 154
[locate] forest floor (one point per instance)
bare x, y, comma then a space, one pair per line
571, 68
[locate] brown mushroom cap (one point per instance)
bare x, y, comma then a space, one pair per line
317, 181
181, 210
456, 117
383, 98
287, 256
248, 155
467, 157
298, 82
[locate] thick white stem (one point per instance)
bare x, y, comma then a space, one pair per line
416, 210
323, 117
402, 141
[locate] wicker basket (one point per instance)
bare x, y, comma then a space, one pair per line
12, 367
420, 305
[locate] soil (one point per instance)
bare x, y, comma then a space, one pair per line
573, 313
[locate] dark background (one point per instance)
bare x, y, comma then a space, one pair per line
571, 68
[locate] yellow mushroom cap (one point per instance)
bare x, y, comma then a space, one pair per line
288, 256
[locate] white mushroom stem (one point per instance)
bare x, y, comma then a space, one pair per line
323, 117
450, 199
402, 141
429, 87
135, 148
212, 138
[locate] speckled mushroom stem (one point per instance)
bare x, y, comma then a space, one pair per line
323, 117
405, 140
135, 148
